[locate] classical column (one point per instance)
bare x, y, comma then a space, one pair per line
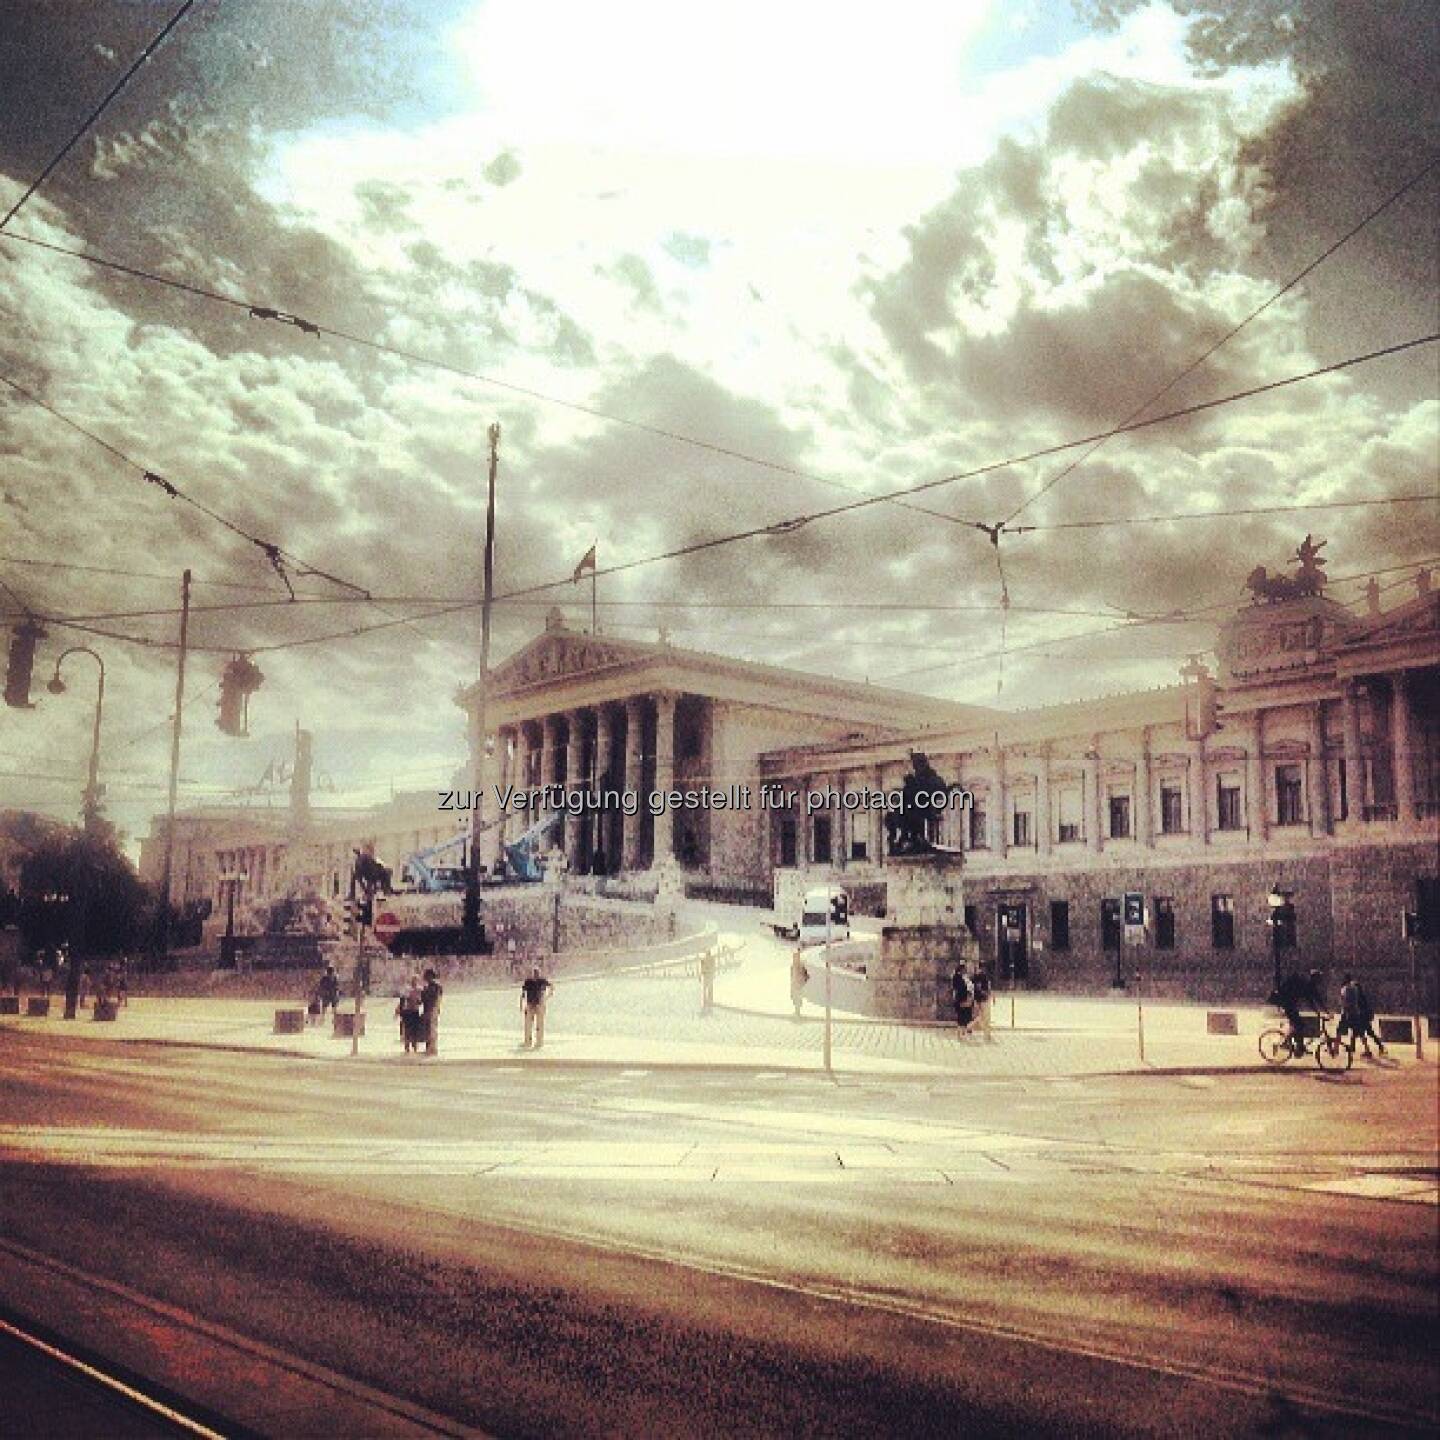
877, 819
1318, 773
998, 837
549, 749
1144, 818
1255, 803
574, 780
634, 780
1093, 838
1354, 755
604, 823
1198, 773
1403, 761
664, 775
1043, 827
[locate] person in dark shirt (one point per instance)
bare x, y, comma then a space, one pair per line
1294, 991
328, 990
962, 992
430, 994
534, 991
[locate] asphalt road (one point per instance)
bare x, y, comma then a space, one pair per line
654, 1253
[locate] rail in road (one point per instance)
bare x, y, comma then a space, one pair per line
249, 1388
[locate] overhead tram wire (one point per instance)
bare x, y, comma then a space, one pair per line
257, 311
98, 111
754, 532
1229, 335
274, 553
784, 526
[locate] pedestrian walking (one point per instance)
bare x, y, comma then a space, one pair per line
707, 981
962, 992
327, 991
408, 1013
799, 979
984, 999
1367, 1018
430, 995
534, 993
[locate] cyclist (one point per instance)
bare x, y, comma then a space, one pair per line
1290, 994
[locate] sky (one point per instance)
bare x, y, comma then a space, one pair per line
846, 251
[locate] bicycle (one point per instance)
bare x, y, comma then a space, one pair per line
1279, 1044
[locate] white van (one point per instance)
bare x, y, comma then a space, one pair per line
824, 915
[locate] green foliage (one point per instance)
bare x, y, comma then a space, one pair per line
82, 889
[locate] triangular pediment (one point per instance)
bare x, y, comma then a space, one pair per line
557, 654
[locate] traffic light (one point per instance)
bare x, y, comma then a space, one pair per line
1135, 908
241, 679
23, 640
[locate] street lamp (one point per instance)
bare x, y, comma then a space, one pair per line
1282, 924
90, 809
90, 805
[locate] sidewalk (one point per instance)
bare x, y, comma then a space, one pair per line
648, 1021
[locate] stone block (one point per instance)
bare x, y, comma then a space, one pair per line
1222, 1022
9, 1004
289, 1022
348, 1024
1397, 1029
107, 1009
38, 1006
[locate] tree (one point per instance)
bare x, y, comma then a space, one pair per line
81, 889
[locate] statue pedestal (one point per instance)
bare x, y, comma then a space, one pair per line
923, 937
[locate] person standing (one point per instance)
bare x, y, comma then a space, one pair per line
430, 995
1367, 1021
408, 1011
984, 998
327, 992
962, 992
534, 992
707, 981
799, 979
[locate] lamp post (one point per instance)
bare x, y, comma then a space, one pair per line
90, 810
90, 805
1281, 924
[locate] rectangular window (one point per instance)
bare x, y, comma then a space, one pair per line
859, 850
972, 920
1227, 805
1172, 810
1164, 922
787, 844
1022, 827
979, 828
1109, 924
1119, 817
821, 834
1059, 924
1222, 922
1069, 812
1289, 795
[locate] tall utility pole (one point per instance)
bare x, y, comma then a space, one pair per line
163, 945
471, 917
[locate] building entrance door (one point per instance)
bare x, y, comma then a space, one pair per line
1012, 942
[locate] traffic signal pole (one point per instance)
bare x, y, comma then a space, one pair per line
167, 873
471, 916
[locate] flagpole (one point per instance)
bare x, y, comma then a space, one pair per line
594, 586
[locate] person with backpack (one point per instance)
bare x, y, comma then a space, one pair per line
962, 992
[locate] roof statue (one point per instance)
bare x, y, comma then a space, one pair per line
1308, 581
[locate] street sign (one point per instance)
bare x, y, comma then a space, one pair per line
1134, 908
387, 926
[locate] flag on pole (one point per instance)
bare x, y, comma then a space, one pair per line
588, 563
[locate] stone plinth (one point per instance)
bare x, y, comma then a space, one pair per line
923, 937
